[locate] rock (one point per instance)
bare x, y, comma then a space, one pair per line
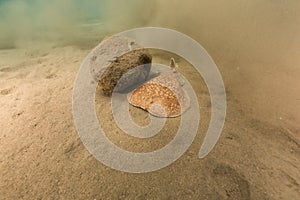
125, 72
118, 63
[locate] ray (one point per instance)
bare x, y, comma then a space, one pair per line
162, 96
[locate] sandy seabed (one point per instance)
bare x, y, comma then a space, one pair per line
42, 156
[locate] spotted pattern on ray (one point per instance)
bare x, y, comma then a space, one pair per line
162, 96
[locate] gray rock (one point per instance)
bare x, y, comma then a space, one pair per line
118, 63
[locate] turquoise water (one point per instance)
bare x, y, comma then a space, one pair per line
60, 20
34, 20
80, 9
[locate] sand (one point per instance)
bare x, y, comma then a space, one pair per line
42, 157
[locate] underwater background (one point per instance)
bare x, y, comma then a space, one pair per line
254, 43
67, 21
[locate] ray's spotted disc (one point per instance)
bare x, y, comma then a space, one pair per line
162, 96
